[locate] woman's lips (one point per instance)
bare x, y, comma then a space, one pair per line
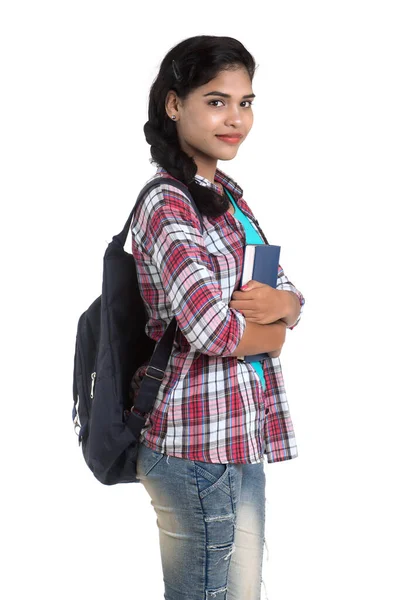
229, 139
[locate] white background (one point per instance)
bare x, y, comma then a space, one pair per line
320, 170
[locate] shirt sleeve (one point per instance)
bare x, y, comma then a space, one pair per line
173, 239
283, 283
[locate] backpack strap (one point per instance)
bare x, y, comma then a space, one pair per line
121, 237
151, 381
155, 370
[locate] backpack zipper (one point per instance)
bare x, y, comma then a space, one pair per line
77, 422
92, 388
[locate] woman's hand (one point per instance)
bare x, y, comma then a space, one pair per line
260, 303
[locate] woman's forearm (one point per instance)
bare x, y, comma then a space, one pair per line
261, 338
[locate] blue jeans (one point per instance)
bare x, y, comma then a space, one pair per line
211, 525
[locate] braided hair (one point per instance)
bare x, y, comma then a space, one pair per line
190, 64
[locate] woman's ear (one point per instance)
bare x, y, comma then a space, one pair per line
171, 103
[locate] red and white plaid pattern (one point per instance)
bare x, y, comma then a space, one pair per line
211, 406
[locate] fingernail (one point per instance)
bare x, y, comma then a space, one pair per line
244, 287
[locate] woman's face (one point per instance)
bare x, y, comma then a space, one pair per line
221, 107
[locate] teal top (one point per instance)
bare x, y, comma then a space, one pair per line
252, 237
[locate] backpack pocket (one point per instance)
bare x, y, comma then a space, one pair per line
84, 384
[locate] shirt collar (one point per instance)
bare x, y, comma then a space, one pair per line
220, 177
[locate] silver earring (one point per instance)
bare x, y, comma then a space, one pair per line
173, 117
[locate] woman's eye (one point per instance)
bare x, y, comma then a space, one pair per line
249, 102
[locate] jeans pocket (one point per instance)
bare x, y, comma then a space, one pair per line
146, 461
212, 476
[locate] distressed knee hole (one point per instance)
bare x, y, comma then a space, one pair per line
220, 549
220, 518
219, 546
216, 593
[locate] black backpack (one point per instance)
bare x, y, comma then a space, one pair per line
111, 344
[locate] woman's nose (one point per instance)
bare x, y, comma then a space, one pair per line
233, 116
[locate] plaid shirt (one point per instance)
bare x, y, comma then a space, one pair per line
210, 407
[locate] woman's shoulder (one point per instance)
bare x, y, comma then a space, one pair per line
166, 190
168, 200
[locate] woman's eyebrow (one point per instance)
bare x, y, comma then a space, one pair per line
227, 95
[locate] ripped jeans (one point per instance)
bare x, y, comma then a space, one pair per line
211, 519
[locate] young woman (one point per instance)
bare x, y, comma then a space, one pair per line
201, 453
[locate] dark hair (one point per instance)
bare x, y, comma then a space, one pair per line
190, 64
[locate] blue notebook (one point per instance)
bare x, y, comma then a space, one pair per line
260, 263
